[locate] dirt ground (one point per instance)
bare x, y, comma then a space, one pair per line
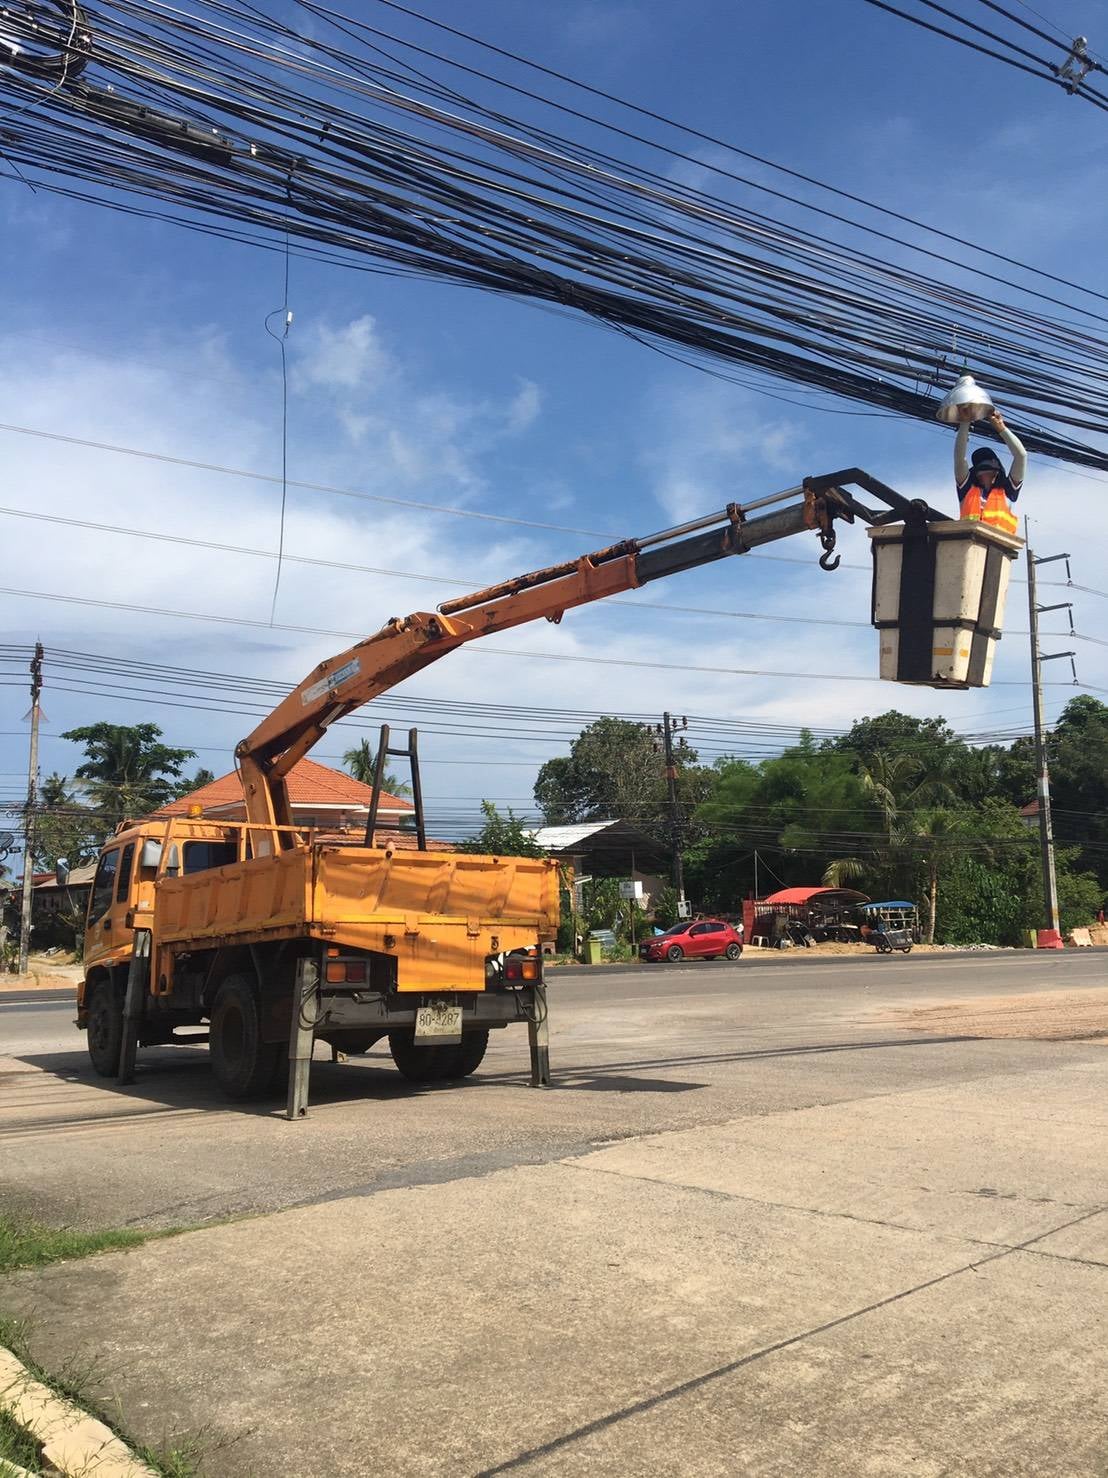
45, 973
1080, 1015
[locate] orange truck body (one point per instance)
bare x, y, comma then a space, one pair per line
422, 925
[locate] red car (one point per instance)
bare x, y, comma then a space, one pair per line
706, 939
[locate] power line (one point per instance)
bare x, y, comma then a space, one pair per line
484, 649
210, 114
634, 604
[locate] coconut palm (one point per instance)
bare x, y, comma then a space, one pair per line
362, 763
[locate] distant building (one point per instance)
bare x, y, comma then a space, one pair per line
320, 798
607, 849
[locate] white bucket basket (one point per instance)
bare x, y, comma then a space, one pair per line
939, 592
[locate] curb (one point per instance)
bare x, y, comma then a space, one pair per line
73, 1442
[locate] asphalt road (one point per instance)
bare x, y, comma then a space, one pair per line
633, 1051
826, 1218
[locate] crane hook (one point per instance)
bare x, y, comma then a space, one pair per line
827, 561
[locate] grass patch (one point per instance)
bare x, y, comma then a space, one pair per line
29, 1244
178, 1457
17, 1447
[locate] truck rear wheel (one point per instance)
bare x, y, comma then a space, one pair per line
242, 1064
423, 1064
105, 1029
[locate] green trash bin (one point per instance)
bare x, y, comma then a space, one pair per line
594, 951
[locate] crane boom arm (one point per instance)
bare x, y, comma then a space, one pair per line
405, 646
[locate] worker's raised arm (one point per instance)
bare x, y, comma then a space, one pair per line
1018, 470
961, 460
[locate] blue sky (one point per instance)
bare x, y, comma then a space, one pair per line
140, 334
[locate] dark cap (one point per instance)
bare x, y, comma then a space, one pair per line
985, 459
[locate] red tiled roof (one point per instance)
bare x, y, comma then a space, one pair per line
309, 782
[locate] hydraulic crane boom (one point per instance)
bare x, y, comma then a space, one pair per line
402, 647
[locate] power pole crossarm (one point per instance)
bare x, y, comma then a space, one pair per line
29, 812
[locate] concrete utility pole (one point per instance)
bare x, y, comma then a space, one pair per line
29, 812
1051, 936
669, 726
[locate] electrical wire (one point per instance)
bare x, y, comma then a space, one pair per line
211, 108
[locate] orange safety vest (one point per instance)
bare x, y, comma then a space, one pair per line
997, 511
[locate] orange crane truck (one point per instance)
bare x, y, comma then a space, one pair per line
274, 936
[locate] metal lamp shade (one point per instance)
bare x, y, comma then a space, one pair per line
968, 401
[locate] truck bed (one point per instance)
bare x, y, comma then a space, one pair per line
438, 913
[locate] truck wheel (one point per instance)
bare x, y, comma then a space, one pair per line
429, 1064
105, 1029
242, 1064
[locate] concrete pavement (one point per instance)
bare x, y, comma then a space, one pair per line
756, 1230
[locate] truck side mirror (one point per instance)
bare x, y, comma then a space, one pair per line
61, 872
151, 853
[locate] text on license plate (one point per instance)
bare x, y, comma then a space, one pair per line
439, 1022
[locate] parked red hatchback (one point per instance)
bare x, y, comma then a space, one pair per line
707, 939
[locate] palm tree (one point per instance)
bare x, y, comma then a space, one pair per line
934, 834
127, 770
362, 763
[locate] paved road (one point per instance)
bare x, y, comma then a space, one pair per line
652, 1048
772, 1219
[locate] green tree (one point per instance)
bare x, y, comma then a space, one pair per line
361, 761
127, 771
501, 836
615, 770
65, 827
990, 884
894, 732
201, 778
1078, 758
801, 808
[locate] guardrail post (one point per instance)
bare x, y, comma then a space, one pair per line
138, 976
305, 1014
538, 1037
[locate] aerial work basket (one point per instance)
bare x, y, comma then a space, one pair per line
939, 591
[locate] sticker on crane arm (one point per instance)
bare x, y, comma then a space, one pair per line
332, 680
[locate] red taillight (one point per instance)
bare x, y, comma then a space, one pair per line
521, 967
346, 972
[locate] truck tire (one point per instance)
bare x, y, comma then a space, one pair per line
105, 1029
423, 1064
242, 1064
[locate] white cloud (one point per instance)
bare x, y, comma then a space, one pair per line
709, 443
349, 357
523, 410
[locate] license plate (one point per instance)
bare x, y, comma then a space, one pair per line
439, 1023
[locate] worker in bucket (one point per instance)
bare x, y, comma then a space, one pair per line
985, 492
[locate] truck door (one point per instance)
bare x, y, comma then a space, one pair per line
107, 911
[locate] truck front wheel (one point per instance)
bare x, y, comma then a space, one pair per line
105, 1029
424, 1064
243, 1065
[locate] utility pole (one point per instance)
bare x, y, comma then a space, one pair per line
669, 726
29, 811
1051, 936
